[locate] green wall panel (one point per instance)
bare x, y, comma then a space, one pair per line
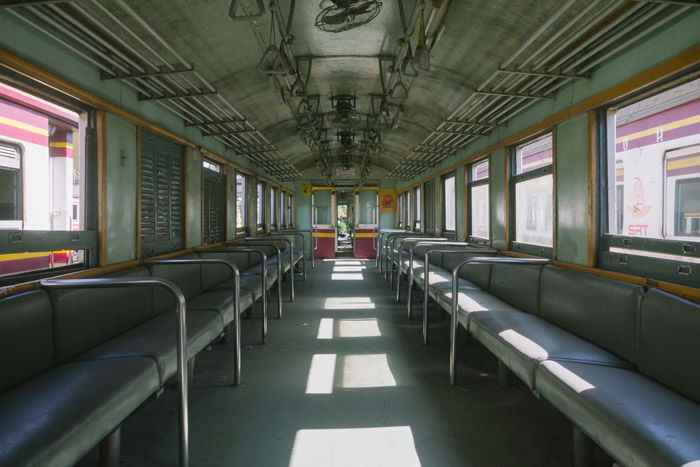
573, 201
231, 204
193, 203
459, 202
121, 190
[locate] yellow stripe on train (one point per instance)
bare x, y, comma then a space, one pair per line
666, 127
16, 256
24, 126
683, 163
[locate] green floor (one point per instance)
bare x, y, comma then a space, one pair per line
344, 380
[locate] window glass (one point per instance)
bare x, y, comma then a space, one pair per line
261, 205
533, 192
449, 202
417, 208
400, 211
655, 158
274, 202
290, 211
42, 159
241, 202
479, 221
407, 219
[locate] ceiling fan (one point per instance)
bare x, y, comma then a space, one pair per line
343, 15
344, 114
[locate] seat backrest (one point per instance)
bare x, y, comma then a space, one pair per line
602, 311
479, 274
186, 276
86, 318
668, 342
517, 284
26, 338
214, 274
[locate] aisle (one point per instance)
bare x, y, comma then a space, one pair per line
344, 380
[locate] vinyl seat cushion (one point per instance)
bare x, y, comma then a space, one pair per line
221, 301
521, 340
636, 420
472, 301
56, 418
156, 339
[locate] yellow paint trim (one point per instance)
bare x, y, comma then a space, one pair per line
24, 126
683, 163
322, 188
61, 144
666, 127
541, 162
324, 235
365, 235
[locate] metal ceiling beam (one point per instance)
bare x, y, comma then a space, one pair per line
163, 71
487, 125
452, 132
217, 122
228, 132
513, 94
177, 96
544, 74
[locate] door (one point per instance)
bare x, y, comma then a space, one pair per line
367, 221
324, 218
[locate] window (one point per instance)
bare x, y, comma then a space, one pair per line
241, 204
43, 157
290, 211
449, 199
274, 200
400, 211
214, 209
261, 206
479, 216
162, 195
429, 203
283, 210
532, 184
416, 208
407, 213
10, 186
652, 159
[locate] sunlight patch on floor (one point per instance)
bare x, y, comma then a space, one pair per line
348, 268
325, 329
366, 371
348, 303
321, 374
361, 327
346, 276
348, 263
367, 447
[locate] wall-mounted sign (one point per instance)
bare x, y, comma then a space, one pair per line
387, 200
345, 172
306, 189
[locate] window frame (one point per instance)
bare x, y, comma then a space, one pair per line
243, 230
443, 207
260, 206
274, 207
417, 209
17, 223
624, 260
399, 211
471, 183
515, 178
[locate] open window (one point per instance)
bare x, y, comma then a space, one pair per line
260, 218
241, 204
45, 156
449, 207
532, 190
479, 207
651, 165
416, 209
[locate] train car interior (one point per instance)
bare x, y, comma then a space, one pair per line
350, 233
